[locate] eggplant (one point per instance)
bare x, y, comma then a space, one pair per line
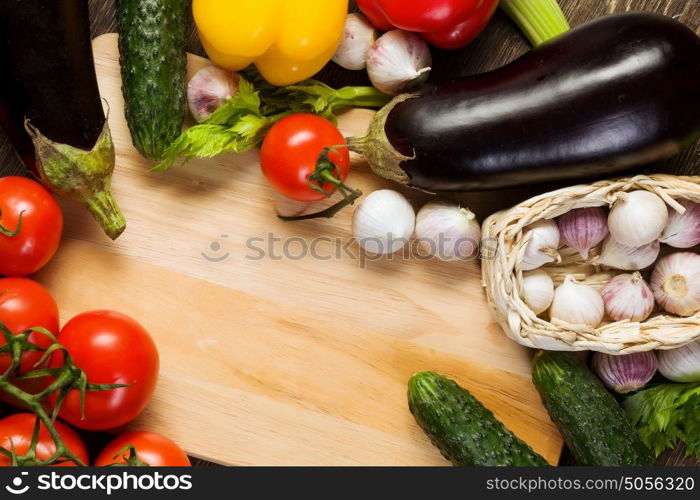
620, 92
50, 105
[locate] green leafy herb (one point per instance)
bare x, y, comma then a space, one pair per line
241, 123
312, 96
667, 414
235, 127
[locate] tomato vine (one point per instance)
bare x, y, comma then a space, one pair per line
60, 380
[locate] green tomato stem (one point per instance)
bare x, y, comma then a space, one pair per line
65, 378
7, 232
327, 173
37, 408
133, 460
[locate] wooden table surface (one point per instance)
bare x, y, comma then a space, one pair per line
499, 44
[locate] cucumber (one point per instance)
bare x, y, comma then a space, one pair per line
589, 418
462, 428
152, 38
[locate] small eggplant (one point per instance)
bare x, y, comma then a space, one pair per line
616, 93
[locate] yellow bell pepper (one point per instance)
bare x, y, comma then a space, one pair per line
288, 40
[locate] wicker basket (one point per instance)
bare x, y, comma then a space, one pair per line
503, 249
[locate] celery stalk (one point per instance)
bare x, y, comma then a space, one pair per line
540, 20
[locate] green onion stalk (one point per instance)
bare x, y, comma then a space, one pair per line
540, 20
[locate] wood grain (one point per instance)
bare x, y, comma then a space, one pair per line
498, 45
291, 360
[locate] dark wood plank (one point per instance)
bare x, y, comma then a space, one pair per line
500, 44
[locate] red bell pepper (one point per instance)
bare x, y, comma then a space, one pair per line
447, 24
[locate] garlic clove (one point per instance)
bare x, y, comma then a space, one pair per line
542, 247
358, 38
447, 231
628, 297
209, 88
681, 364
398, 61
675, 282
637, 218
618, 256
577, 304
583, 228
538, 291
625, 373
383, 222
683, 230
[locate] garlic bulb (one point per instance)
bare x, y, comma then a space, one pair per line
577, 304
583, 228
625, 373
208, 89
398, 61
383, 222
627, 296
682, 364
447, 231
542, 246
676, 283
627, 258
538, 291
358, 38
683, 230
637, 218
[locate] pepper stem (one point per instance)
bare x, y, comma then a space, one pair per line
540, 20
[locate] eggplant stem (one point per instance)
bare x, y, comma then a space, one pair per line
540, 20
105, 210
375, 147
80, 175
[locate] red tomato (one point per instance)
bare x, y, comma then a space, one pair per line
42, 223
16, 430
290, 152
112, 349
154, 449
25, 304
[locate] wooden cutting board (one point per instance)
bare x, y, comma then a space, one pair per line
289, 359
